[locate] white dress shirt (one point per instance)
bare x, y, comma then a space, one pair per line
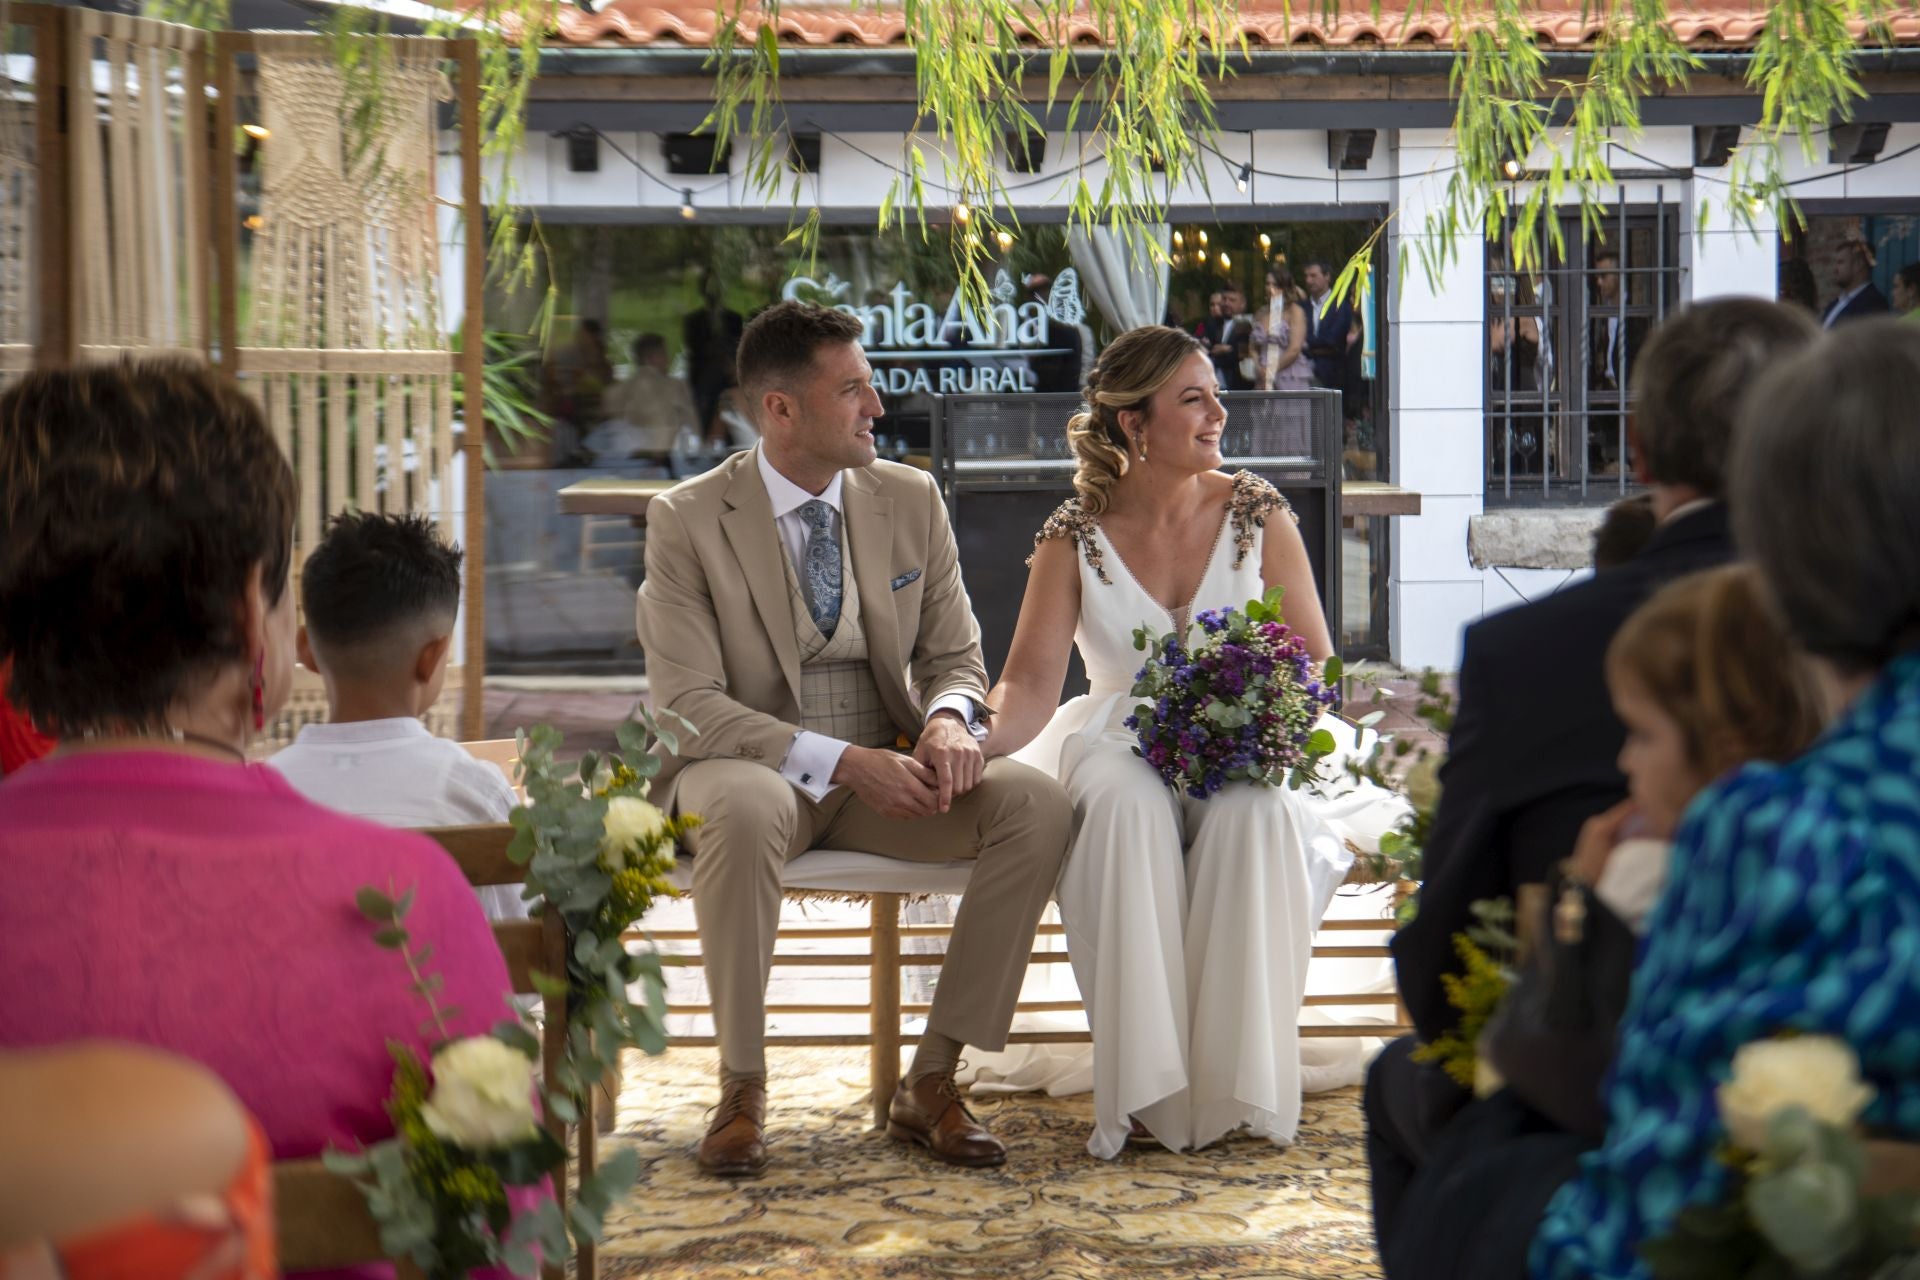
813, 757
396, 773
1840, 304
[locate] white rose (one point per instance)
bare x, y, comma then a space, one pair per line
1819, 1073
630, 821
1423, 783
482, 1094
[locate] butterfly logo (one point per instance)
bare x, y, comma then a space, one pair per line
1063, 300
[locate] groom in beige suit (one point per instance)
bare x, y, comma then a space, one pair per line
803, 609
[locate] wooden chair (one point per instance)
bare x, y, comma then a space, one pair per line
322, 1222
528, 945
501, 753
885, 883
320, 1217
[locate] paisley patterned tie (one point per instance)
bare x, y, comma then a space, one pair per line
822, 565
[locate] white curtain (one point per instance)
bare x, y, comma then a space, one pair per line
1128, 282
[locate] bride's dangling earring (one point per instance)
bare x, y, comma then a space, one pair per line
1141, 441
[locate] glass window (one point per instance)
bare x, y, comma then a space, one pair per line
1561, 341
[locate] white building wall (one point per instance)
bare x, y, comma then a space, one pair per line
1437, 333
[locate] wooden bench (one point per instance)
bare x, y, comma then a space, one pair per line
885, 884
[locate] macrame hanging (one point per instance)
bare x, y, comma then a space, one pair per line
343, 342
18, 193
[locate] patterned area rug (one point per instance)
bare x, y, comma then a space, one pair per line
844, 1202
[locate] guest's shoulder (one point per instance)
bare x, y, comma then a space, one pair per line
1589, 610
1071, 522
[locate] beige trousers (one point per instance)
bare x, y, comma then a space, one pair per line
1015, 826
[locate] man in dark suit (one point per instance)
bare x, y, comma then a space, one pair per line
1534, 742
1328, 323
1859, 296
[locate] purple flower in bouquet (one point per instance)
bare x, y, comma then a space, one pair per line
1240, 704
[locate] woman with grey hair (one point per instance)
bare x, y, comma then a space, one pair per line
1796, 891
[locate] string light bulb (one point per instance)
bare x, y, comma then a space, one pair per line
686, 203
1203, 238
962, 214
1006, 240
1199, 255
1246, 176
1510, 167
1266, 243
258, 132
1179, 241
1226, 263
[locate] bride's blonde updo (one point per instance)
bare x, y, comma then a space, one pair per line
1133, 367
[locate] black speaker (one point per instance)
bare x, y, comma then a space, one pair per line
1713, 144
1856, 143
1349, 149
803, 153
583, 150
695, 153
1026, 152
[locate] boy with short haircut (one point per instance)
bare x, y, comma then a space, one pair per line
380, 595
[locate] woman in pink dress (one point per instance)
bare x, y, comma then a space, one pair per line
158, 888
1280, 364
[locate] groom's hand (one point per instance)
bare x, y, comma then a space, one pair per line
950, 751
892, 785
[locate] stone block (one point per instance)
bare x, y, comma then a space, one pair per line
1550, 538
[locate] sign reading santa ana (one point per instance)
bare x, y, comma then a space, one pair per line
901, 334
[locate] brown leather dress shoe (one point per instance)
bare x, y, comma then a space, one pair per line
928, 1111
735, 1145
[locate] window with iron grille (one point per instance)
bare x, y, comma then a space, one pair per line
1562, 337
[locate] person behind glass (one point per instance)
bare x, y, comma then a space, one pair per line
1614, 339
1798, 879
1797, 285
1535, 743
1221, 331
1906, 291
1859, 298
160, 889
1278, 351
1706, 680
710, 336
645, 414
1327, 325
1513, 365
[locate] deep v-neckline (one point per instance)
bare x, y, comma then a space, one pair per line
1183, 616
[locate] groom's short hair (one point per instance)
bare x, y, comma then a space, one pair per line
779, 343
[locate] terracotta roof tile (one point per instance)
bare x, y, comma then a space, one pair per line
1558, 24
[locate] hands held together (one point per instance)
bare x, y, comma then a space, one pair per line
945, 765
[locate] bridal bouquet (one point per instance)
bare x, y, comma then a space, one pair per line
1239, 705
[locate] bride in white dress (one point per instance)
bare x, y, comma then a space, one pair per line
1188, 922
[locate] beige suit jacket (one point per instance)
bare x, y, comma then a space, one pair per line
717, 629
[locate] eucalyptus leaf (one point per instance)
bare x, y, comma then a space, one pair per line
373, 904
1807, 1212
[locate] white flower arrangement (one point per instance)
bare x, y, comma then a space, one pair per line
1797, 1205
482, 1096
